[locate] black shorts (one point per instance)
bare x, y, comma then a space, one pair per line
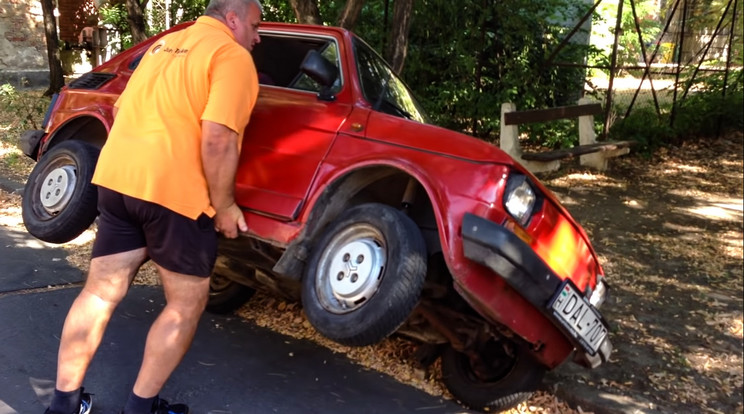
173, 241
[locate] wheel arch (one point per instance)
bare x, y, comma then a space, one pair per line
87, 128
380, 183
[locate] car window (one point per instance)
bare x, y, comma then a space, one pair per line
136, 61
279, 55
382, 88
302, 81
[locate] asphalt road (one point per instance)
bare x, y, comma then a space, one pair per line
233, 366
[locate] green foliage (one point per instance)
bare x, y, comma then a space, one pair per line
562, 133
650, 24
629, 50
278, 11
706, 112
467, 58
12, 160
115, 15
27, 108
645, 127
179, 11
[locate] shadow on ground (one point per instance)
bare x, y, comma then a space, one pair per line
669, 232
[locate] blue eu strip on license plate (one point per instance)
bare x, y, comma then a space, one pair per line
579, 317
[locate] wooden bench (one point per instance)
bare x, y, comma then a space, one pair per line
590, 152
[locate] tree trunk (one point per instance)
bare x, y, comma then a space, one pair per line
56, 77
398, 45
350, 14
306, 11
136, 20
480, 63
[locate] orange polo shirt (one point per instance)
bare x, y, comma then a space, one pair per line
153, 151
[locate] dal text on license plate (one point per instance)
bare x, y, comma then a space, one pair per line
579, 317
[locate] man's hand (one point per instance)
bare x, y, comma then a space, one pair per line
229, 221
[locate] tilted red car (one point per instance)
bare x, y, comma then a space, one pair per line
376, 220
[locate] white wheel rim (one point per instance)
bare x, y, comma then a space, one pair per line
351, 269
57, 188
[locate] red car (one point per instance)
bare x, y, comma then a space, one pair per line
377, 221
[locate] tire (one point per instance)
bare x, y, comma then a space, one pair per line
380, 257
59, 201
503, 382
225, 295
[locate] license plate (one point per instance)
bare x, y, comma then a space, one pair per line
579, 317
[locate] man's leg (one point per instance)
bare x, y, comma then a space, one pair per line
108, 281
172, 332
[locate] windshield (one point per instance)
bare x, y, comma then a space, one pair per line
382, 88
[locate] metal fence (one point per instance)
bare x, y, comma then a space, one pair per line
659, 68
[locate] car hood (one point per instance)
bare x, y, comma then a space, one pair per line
433, 139
442, 141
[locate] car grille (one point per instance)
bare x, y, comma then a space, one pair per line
91, 80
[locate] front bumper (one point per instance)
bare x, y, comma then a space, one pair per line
29, 143
500, 250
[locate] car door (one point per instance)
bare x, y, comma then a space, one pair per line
290, 130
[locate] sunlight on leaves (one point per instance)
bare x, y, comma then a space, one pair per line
676, 168
728, 212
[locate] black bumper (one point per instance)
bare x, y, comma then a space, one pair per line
29, 144
500, 250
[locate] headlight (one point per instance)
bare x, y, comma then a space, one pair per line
599, 294
519, 199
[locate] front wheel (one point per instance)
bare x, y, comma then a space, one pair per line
495, 380
59, 201
365, 275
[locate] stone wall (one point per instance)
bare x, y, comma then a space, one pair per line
23, 56
73, 16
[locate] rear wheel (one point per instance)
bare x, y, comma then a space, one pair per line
226, 295
496, 380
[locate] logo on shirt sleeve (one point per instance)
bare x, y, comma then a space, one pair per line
160, 46
157, 47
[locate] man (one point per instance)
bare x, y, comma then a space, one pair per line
166, 176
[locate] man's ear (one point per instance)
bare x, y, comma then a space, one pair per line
231, 19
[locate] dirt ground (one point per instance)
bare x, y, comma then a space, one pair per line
668, 230
669, 233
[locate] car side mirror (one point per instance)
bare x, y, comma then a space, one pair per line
319, 69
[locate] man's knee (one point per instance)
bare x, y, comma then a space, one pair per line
105, 288
187, 295
109, 276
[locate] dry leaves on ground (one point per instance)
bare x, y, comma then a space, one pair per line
393, 356
669, 233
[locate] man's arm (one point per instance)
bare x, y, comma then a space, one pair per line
219, 150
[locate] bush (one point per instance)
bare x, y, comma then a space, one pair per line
21, 110
650, 130
465, 60
706, 112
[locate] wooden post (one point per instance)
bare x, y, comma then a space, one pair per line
588, 136
509, 138
509, 143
